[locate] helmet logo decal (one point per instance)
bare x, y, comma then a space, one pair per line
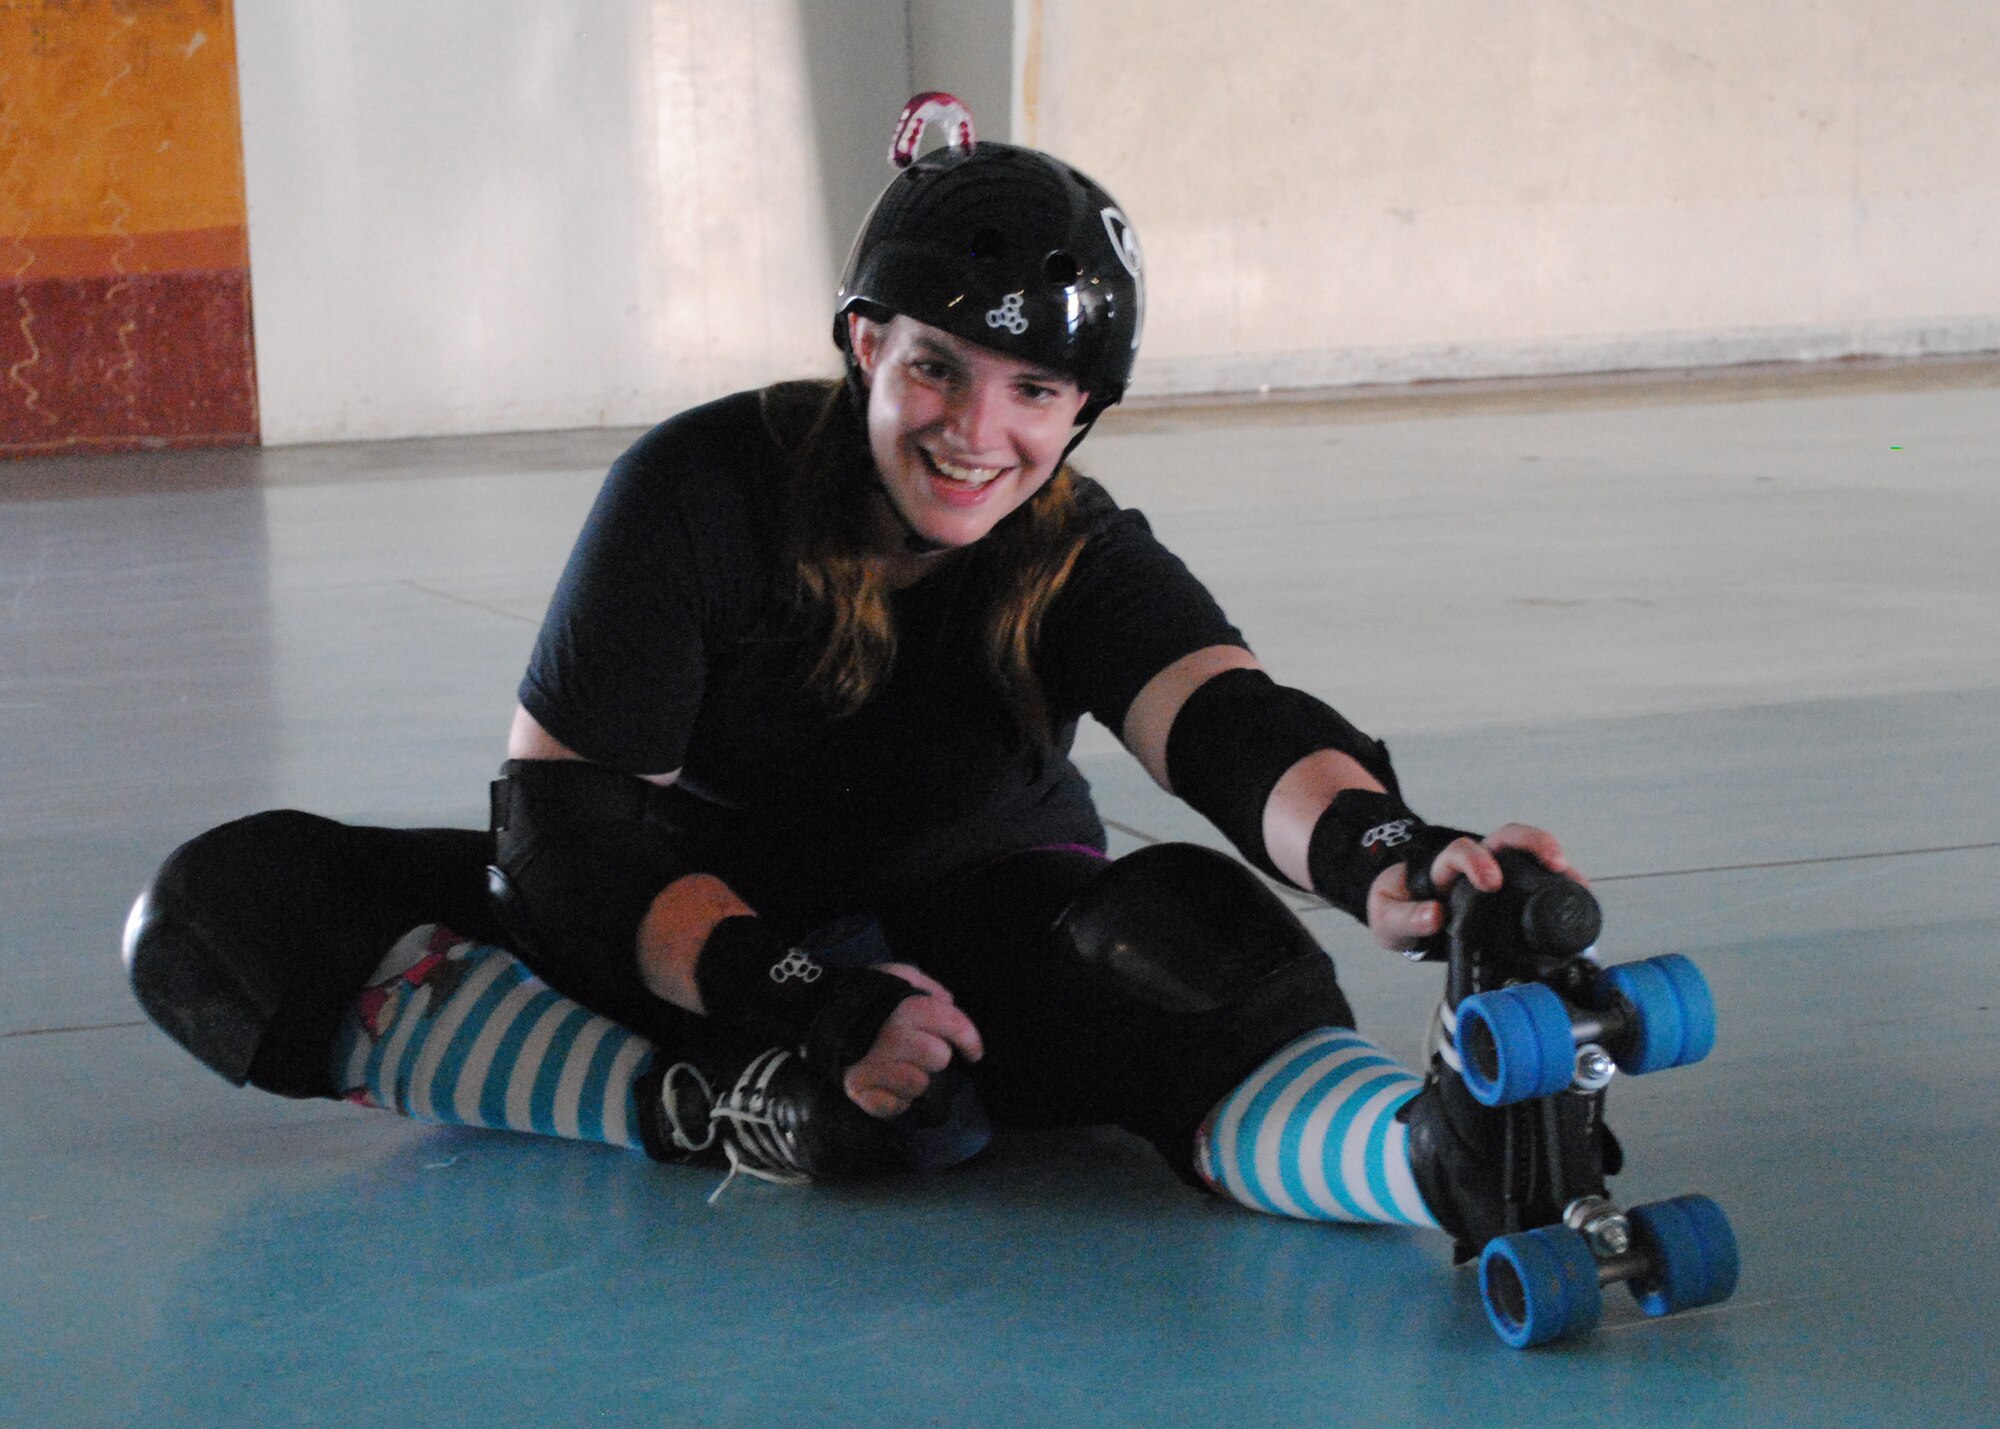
1123, 241
1009, 315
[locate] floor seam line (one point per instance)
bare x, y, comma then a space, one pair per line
83, 1027
1145, 837
1799, 862
461, 600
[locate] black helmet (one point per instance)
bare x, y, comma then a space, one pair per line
1006, 247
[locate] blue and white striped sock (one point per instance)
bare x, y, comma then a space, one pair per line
463, 1034
1313, 1134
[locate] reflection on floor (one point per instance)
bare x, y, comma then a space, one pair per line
1734, 639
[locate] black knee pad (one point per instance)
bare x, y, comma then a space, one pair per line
1213, 965
252, 940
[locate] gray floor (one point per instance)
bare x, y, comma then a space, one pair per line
1735, 637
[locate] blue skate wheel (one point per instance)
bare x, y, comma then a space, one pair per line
1515, 1044
1654, 1042
1692, 1251
1697, 1007
1540, 1285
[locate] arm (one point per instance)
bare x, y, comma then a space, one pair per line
1303, 793
915, 1042
686, 911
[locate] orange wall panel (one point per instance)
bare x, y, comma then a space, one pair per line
124, 257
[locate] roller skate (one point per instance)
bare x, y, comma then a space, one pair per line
1507, 1139
779, 1118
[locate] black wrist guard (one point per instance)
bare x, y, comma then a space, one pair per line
1363, 832
819, 994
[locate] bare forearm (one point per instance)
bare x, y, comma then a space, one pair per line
1297, 801
674, 930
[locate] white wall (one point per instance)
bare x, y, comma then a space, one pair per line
1347, 191
495, 215
966, 48
489, 215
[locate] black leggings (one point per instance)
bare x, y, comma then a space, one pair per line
1065, 1043
1068, 1044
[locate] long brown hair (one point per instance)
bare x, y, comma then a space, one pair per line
839, 587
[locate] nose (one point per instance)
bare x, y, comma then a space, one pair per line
978, 416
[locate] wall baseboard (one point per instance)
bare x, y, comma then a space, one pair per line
1369, 366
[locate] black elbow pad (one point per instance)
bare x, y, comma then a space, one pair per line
1238, 734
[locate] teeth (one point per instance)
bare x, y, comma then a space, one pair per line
970, 475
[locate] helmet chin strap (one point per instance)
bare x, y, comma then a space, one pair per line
1076, 441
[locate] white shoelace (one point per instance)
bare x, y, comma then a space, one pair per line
677, 1117
751, 1135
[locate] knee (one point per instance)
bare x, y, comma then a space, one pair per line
222, 944
1210, 972
1187, 930
252, 939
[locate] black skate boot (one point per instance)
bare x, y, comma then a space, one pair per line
784, 1120
1486, 1171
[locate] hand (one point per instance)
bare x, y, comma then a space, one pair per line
914, 1045
1400, 922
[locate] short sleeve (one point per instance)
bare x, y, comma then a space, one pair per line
666, 562
1130, 608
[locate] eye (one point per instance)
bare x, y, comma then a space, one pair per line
932, 370
1042, 393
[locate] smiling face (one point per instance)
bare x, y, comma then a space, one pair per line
961, 434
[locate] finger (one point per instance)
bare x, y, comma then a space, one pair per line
941, 1019
933, 1054
1398, 926
1394, 920
884, 1076
874, 1100
917, 978
1546, 848
903, 1079
909, 1044
1463, 858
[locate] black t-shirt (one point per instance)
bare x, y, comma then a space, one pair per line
668, 645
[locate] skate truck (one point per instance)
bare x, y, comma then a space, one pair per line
1537, 1029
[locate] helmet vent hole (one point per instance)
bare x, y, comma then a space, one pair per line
1062, 268
989, 243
